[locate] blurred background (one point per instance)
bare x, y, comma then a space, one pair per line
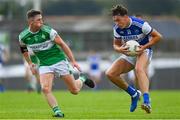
86, 26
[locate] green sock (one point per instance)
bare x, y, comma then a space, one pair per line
56, 110
82, 78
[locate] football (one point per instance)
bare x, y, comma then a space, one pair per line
132, 47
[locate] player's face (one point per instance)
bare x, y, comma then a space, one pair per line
121, 21
37, 21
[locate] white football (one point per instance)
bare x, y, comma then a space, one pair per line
132, 47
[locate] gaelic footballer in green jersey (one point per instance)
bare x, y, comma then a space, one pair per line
44, 42
43, 45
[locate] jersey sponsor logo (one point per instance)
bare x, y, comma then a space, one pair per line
41, 46
121, 32
131, 37
129, 32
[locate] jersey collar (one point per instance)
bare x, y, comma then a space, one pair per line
130, 23
33, 32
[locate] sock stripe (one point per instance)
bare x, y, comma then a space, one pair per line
56, 110
134, 95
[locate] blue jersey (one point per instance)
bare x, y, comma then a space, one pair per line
138, 30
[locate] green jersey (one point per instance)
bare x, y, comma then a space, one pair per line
34, 59
42, 44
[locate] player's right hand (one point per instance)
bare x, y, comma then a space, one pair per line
76, 65
33, 68
124, 49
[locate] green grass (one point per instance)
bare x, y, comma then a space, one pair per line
88, 105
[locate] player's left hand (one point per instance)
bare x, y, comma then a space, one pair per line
140, 50
76, 65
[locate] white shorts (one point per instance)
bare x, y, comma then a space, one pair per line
60, 68
132, 60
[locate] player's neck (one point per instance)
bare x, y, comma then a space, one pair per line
33, 29
128, 23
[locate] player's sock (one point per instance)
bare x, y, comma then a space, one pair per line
56, 109
82, 78
131, 91
90, 83
57, 112
146, 98
146, 104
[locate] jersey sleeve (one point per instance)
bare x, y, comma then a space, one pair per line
146, 28
116, 35
21, 43
53, 34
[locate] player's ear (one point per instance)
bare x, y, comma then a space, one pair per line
30, 20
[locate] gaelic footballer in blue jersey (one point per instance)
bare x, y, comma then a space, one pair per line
131, 28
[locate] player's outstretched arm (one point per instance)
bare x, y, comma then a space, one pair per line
58, 40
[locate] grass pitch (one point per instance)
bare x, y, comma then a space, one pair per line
88, 105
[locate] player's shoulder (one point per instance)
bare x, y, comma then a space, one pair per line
115, 26
137, 21
23, 33
46, 28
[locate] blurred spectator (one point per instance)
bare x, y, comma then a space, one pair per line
94, 71
4, 55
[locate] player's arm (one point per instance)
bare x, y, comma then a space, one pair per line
155, 35
155, 38
58, 40
25, 53
119, 46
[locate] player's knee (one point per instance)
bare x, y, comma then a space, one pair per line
109, 74
46, 90
74, 91
139, 70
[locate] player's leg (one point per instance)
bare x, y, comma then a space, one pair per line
73, 85
136, 79
46, 80
64, 70
143, 81
119, 67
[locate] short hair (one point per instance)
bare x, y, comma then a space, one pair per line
32, 13
119, 10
